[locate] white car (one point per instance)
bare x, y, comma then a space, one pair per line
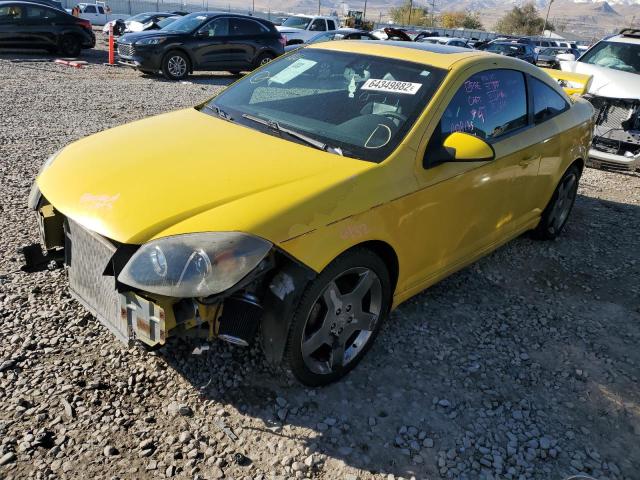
300, 28
614, 63
139, 22
97, 13
451, 41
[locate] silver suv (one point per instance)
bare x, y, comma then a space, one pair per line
614, 63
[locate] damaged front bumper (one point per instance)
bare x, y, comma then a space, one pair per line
616, 136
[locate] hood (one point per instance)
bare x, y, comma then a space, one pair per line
133, 182
282, 29
132, 37
607, 82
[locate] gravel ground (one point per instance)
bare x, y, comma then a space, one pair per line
524, 365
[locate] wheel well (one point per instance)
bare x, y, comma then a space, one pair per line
388, 256
184, 52
579, 162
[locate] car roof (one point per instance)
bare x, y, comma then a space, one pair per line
442, 56
623, 39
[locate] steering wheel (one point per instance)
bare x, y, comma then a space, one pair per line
394, 116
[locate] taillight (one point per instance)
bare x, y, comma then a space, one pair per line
85, 23
283, 40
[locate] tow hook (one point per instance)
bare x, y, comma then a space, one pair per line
36, 261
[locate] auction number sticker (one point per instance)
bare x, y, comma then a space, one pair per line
391, 86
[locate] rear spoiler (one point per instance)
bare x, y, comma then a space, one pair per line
572, 83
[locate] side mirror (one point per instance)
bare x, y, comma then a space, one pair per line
463, 147
566, 57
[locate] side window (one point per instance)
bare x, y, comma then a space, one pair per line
547, 103
89, 9
487, 105
215, 28
244, 27
100, 10
331, 24
319, 25
39, 13
10, 13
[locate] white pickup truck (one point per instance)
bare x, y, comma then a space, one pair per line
97, 13
300, 28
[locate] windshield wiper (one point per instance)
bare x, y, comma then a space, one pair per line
219, 112
273, 125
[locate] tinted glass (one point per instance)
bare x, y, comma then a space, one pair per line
319, 25
509, 49
244, 27
616, 55
547, 102
216, 28
89, 9
489, 104
323, 37
100, 9
39, 13
363, 105
10, 13
331, 24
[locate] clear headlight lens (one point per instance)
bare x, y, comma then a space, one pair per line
34, 193
151, 41
194, 265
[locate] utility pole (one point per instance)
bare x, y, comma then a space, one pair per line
318, 7
253, 6
544, 27
364, 14
433, 9
410, 10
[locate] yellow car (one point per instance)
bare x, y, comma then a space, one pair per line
308, 199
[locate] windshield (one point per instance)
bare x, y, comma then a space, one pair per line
296, 22
166, 21
357, 104
552, 52
509, 49
140, 17
186, 24
616, 55
322, 37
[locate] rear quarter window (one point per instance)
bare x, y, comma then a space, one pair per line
547, 103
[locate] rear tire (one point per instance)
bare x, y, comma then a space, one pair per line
176, 65
557, 211
338, 317
69, 46
263, 59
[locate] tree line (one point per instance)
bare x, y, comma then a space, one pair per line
520, 20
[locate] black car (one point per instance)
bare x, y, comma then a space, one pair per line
340, 34
547, 57
518, 50
202, 41
37, 26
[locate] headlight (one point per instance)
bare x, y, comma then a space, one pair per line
195, 264
151, 41
34, 193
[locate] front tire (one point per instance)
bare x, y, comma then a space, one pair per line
557, 212
338, 318
263, 59
175, 65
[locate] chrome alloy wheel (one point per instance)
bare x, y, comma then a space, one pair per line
177, 66
341, 320
564, 201
264, 61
